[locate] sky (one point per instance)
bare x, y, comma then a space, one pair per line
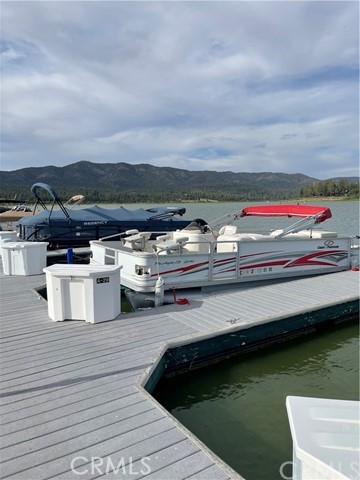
245, 86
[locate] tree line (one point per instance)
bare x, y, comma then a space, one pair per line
331, 188
101, 195
228, 193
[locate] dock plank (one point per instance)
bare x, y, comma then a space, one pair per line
71, 389
166, 443
51, 463
45, 412
11, 401
183, 468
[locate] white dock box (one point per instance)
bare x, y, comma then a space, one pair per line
83, 292
325, 435
7, 236
24, 258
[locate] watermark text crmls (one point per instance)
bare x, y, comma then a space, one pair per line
105, 465
352, 470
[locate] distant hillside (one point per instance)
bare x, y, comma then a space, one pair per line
348, 179
123, 182
340, 187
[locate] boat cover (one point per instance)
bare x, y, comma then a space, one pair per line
78, 227
62, 227
322, 213
97, 214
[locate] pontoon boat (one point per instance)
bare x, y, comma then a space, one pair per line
200, 256
62, 227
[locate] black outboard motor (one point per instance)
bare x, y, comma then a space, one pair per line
204, 227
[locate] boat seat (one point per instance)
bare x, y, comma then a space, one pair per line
228, 243
323, 234
302, 234
258, 236
137, 241
197, 242
275, 233
228, 230
167, 247
163, 238
181, 240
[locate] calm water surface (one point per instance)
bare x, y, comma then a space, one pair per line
237, 407
345, 217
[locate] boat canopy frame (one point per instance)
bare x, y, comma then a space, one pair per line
310, 215
56, 199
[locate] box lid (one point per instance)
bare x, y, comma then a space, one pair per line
325, 433
73, 270
23, 245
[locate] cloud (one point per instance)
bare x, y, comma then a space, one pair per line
201, 85
288, 136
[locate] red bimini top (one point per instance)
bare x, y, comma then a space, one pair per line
287, 211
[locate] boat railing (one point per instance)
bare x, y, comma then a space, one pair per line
165, 244
223, 260
227, 219
304, 224
108, 253
121, 234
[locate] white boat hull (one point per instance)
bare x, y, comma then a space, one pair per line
245, 260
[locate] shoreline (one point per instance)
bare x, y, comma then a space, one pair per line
292, 200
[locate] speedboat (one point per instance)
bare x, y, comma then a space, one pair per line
9, 214
198, 256
15, 213
64, 227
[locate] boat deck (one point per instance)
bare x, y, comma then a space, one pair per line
72, 390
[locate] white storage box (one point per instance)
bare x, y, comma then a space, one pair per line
7, 236
24, 258
83, 292
325, 435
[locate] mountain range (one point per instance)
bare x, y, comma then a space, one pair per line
142, 182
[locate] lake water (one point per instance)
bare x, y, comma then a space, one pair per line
345, 217
237, 407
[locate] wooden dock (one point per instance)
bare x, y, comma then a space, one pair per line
73, 404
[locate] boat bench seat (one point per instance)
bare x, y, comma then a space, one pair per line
228, 243
137, 241
303, 234
228, 230
323, 234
